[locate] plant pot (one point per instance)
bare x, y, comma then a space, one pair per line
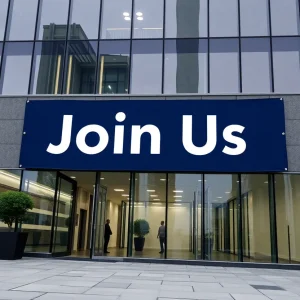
139, 243
64, 238
12, 245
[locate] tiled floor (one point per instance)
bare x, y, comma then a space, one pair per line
50, 279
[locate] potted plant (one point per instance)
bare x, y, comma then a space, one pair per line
140, 229
13, 211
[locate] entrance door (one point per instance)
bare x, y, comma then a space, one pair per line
63, 215
82, 229
99, 221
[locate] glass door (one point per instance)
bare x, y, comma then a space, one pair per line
99, 221
63, 215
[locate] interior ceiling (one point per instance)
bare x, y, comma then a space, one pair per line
182, 188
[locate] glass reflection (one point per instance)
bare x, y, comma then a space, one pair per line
81, 26
185, 66
47, 68
80, 71
221, 217
53, 16
3, 15
148, 19
116, 19
16, 67
21, 24
113, 67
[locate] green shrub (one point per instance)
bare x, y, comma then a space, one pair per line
140, 228
14, 207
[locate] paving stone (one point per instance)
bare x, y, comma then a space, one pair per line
13, 295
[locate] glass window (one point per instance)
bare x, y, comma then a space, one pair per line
16, 68
21, 24
223, 18
47, 65
84, 19
1, 48
186, 19
254, 17
256, 65
116, 19
81, 65
53, 16
114, 61
113, 204
40, 186
285, 17
224, 66
286, 64
9, 181
184, 216
255, 195
287, 216
148, 19
221, 196
146, 72
149, 213
185, 66
3, 16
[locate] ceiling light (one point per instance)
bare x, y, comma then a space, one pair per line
178, 191
177, 204
200, 180
93, 185
163, 179
73, 177
126, 14
266, 182
125, 195
219, 197
139, 14
127, 19
178, 200
140, 18
178, 196
151, 191
227, 192
102, 178
153, 195
155, 203
109, 87
156, 199
118, 190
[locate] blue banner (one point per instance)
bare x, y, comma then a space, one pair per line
180, 135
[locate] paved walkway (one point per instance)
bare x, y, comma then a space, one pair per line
49, 279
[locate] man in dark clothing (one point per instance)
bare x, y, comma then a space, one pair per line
162, 236
107, 234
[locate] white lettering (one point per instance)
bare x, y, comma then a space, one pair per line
65, 137
187, 136
119, 134
239, 142
136, 135
81, 136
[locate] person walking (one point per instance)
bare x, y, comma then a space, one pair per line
107, 234
162, 236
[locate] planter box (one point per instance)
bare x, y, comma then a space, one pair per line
139, 243
12, 245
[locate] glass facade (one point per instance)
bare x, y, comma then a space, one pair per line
219, 217
174, 46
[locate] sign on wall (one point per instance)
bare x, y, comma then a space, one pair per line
179, 135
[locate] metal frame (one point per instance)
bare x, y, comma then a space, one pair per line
239, 37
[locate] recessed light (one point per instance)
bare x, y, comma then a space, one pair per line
178, 191
151, 191
102, 178
156, 199
163, 179
118, 190
177, 196
199, 179
140, 18
125, 195
139, 14
126, 14
177, 204
127, 18
227, 192
153, 195
73, 177
178, 200
266, 182
155, 203
219, 197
